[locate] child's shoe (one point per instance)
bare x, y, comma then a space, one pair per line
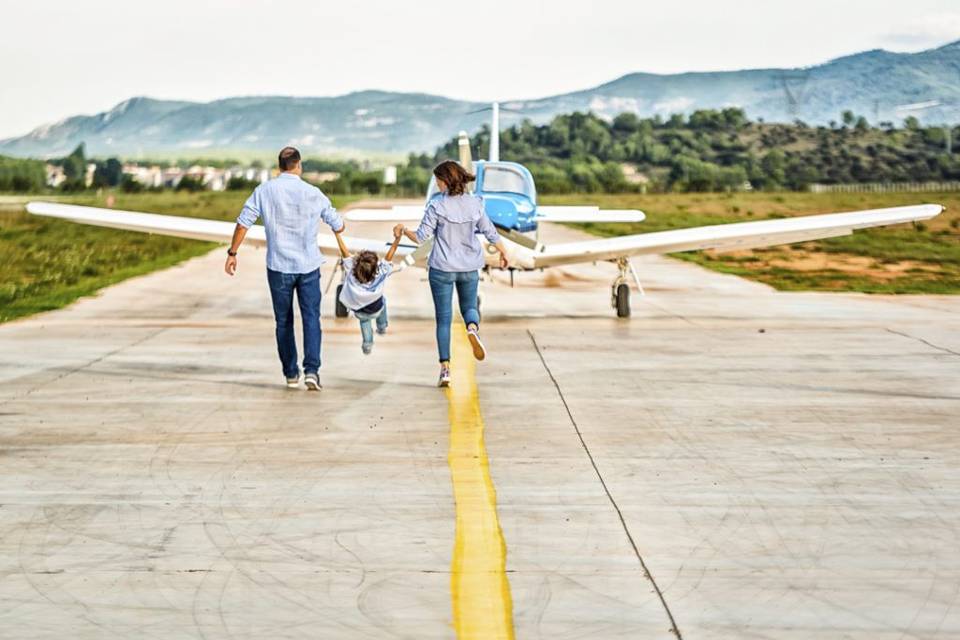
366, 347
381, 331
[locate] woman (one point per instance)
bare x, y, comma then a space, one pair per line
453, 220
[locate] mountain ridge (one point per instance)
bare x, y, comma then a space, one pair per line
873, 83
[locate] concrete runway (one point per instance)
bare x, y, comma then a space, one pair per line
783, 465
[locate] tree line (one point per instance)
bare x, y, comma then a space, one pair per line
716, 150
709, 150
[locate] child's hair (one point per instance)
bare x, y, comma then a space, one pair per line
365, 266
454, 176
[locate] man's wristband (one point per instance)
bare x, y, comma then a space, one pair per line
231, 253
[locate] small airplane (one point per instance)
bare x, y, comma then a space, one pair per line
510, 200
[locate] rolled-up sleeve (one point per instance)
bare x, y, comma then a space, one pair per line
329, 214
251, 210
428, 224
485, 226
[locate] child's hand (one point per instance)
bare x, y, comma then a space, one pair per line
398, 231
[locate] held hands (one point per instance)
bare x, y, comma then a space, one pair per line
398, 231
230, 267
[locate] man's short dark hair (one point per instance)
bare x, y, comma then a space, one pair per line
288, 159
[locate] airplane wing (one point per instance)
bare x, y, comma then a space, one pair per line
193, 228
588, 214
730, 237
397, 213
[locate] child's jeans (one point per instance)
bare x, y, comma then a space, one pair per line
366, 330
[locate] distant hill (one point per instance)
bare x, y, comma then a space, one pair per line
872, 83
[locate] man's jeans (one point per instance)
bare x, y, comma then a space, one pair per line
366, 330
442, 284
307, 287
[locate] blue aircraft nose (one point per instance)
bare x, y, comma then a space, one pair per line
510, 211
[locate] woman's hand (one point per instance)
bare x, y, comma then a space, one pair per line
230, 267
504, 263
398, 230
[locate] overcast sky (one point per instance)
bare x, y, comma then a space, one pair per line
64, 57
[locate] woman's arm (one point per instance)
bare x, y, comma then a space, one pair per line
343, 247
504, 261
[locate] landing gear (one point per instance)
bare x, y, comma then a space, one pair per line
620, 291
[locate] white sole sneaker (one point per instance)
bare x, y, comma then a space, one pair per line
312, 383
479, 352
444, 379
293, 383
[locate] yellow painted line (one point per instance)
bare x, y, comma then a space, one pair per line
482, 606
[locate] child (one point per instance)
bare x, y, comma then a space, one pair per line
362, 290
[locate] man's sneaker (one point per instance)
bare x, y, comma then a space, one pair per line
312, 381
294, 382
444, 376
366, 347
478, 351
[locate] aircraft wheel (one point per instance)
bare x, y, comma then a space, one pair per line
623, 301
341, 310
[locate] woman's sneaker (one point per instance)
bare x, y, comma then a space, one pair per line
444, 376
478, 351
294, 382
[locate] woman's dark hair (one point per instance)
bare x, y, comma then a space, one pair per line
454, 176
365, 266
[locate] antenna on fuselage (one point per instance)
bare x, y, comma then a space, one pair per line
495, 133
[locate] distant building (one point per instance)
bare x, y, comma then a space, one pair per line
55, 175
321, 177
390, 174
88, 174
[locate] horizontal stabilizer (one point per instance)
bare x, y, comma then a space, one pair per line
588, 214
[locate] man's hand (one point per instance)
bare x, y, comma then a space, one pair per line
231, 265
504, 263
398, 231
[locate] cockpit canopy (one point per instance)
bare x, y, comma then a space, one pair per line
507, 177
497, 177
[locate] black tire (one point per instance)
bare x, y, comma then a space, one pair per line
340, 311
623, 301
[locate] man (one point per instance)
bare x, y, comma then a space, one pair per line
291, 211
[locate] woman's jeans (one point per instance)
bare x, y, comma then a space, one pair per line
307, 288
366, 330
442, 284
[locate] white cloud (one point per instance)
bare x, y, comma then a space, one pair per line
924, 32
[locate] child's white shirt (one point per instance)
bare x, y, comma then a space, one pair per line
357, 295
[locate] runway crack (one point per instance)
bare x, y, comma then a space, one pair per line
86, 365
929, 344
643, 565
